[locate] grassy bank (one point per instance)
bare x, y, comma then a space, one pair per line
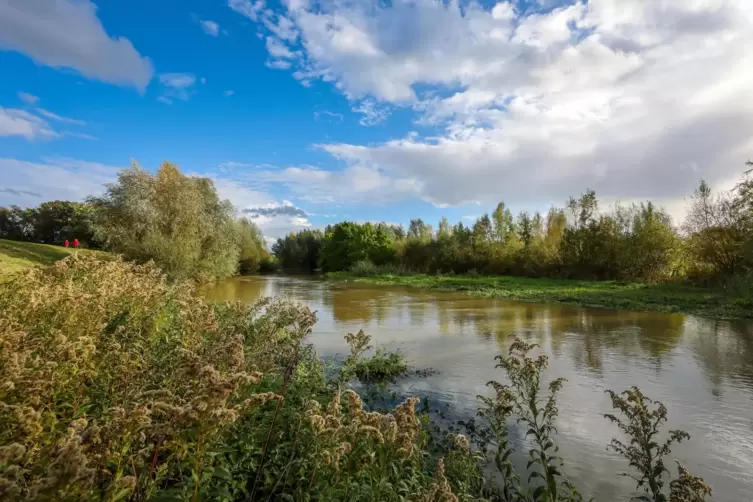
18, 256
606, 294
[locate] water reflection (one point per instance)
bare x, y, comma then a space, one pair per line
701, 369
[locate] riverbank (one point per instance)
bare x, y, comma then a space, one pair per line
599, 294
18, 256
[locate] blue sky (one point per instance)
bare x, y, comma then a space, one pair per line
367, 110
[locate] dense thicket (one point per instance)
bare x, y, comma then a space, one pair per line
299, 252
52, 222
178, 221
636, 242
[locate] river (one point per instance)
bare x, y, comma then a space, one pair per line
701, 369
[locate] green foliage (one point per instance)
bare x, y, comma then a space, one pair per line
253, 256
645, 451
52, 222
120, 385
381, 367
176, 220
365, 268
720, 229
299, 252
523, 398
634, 243
348, 243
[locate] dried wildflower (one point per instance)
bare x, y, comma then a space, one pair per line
127, 482
461, 442
440, 489
12, 453
688, 488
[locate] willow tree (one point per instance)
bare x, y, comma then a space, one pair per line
176, 220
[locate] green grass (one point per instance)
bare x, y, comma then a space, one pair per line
601, 294
381, 367
17, 256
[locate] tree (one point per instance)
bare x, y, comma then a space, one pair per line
347, 243
252, 251
299, 252
176, 220
504, 227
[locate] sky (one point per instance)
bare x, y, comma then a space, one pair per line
307, 112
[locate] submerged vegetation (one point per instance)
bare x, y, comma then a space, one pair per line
116, 384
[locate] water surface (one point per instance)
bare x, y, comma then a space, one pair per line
701, 369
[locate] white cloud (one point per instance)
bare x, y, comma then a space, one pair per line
58, 118
164, 100
30, 183
277, 49
80, 135
68, 34
210, 27
15, 122
279, 65
177, 85
248, 8
229, 93
372, 113
277, 219
327, 115
530, 107
27, 98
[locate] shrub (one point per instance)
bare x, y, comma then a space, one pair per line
117, 384
365, 268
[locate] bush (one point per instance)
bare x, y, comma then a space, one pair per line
365, 268
380, 367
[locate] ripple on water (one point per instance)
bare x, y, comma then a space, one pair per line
702, 370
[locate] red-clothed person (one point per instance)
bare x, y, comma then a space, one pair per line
76, 243
66, 244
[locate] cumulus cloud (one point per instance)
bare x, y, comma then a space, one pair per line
634, 98
68, 34
210, 27
278, 219
177, 86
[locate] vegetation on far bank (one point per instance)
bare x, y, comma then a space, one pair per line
117, 384
635, 243
681, 298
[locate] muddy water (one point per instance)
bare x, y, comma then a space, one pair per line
701, 369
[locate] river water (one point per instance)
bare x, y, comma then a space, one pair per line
701, 369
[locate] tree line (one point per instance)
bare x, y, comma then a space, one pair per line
636, 242
177, 221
